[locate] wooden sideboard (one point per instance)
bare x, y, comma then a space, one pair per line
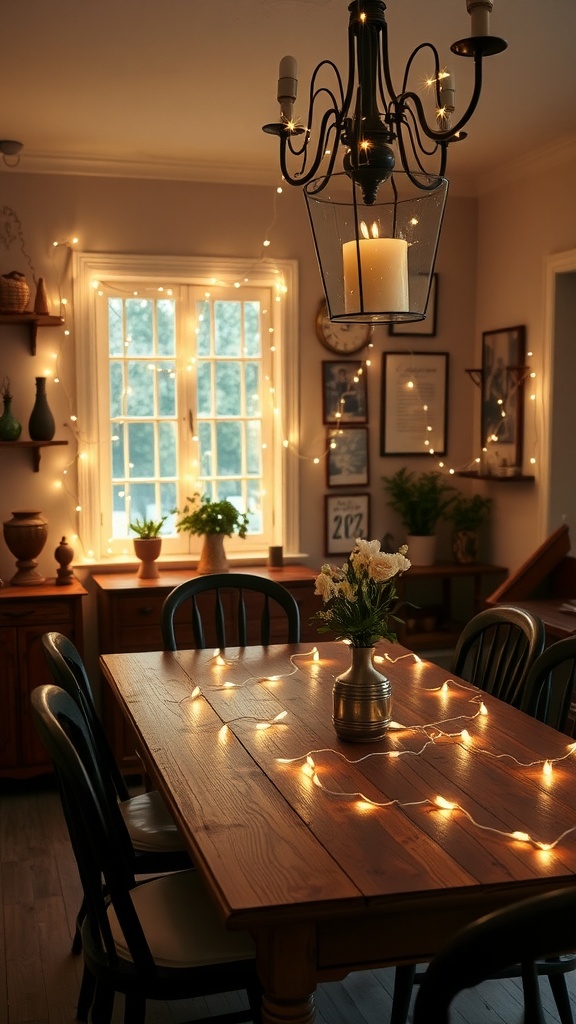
129, 611
26, 613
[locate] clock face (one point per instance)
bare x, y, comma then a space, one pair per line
340, 337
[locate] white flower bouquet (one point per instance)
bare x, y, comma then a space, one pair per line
361, 595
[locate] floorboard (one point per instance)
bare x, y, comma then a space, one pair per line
39, 977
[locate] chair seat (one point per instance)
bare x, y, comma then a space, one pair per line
150, 824
181, 924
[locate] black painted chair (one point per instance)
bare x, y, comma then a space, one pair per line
228, 588
549, 689
156, 840
158, 938
495, 651
527, 933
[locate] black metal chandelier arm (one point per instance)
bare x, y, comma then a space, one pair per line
407, 119
303, 177
432, 177
407, 69
448, 134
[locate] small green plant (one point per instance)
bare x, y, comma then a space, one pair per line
204, 516
420, 500
469, 513
148, 529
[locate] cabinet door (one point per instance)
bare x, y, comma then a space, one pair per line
32, 671
9, 725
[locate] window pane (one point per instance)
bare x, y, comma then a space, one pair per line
140, 400
141, 442
166, 381
165, 311
139, 326
228, 389
228, 328
143, 502
252, 328
203, 329
252, 385
118, 452
115, 327
205, 442
204, 389
229, 443
254, 447
255, 507
167, 450
116, 389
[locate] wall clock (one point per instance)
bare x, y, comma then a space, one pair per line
338, 337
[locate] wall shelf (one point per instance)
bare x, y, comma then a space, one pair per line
519, 479
34, 447
32, 321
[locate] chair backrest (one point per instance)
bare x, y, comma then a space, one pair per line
99, 837
69, 672
228, 610
496, 649
542, 926
550, 684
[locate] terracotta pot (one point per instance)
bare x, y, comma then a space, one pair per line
25, 535
147, 549
361, 699
213, 556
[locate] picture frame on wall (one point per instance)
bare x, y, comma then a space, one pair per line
414, 407
426, 327
502, 406
344, 394
347, 517
347, 458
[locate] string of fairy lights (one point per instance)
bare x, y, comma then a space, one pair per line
361, 370
315, 763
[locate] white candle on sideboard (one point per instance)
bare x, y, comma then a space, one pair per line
384, 263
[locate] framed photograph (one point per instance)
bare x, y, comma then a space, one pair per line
426, 326
347, 461
347, 518
414, 403
503, 372
344, 397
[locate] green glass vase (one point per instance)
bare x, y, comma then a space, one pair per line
10, 428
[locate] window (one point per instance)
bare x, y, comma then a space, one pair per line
185, 385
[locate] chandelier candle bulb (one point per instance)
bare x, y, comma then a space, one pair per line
480, 11
287, 86
384, 269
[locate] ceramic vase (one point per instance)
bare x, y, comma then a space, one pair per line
25, 535
10, 428
147, 549
421, 550
213, 556
465, 545
41, 299
41, 426
361, 699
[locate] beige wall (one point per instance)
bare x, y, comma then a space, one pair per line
177, 218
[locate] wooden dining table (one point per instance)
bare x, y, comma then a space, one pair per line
335, 856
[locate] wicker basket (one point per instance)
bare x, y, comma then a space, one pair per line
14, 293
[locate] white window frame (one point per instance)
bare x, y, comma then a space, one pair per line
91, 268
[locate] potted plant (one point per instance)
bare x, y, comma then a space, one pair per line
212, 520
148, 545
468, 516
420, 500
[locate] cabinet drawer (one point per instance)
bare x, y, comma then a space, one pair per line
51, 614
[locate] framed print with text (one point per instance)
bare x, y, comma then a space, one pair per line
347, 459
503, 371
344, 398
414, 403
426, 326
347, 518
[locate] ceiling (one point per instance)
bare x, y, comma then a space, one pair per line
180, 89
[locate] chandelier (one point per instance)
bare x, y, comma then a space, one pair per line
376, 228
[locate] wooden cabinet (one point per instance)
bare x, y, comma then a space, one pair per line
440, 598
129, 611
26, 613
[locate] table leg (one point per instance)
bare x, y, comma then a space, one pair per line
288, 1011
286, 962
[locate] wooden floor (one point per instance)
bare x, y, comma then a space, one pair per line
39, 977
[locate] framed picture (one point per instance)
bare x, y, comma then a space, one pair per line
426, 326
503, 371
344, 397
347, 461
347, 518
414, 403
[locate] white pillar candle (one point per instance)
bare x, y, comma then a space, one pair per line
384, 263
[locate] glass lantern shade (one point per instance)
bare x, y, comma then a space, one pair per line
376, 261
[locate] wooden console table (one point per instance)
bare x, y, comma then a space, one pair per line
129, 621
26, 613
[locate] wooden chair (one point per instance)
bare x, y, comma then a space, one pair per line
495, 651
229, 587
524, 933
156, 841
160, 938
550, 684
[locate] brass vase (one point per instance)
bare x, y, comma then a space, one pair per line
362, 700
25, 535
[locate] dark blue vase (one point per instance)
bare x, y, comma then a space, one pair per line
41, 426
